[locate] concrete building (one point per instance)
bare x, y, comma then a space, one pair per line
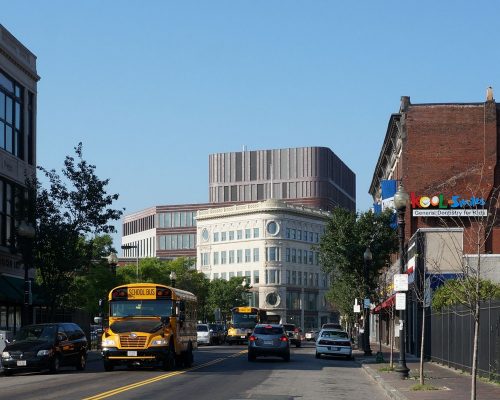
18, 94
271, 244
311, 176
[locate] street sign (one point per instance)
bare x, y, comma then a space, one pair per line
366, 303
401, 301
401, 282
427, 292
357, 308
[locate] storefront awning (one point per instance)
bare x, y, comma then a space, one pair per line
386, 304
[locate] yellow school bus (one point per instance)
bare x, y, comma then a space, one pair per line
149, 325
243, 320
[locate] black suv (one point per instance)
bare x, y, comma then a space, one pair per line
45, 346
293, 334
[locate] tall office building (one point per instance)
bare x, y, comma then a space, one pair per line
18, 91
312, 176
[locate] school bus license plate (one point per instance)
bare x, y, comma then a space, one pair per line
131, 353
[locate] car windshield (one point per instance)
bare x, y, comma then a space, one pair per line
335, 334
268, 330
202, 328
141, 308
37, 332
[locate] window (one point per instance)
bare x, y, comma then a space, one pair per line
231, 256
216, 236
272, 228
255, 276
299, 280
288, 277
304, 258
273, 254
239, 273
299, 234
256, 254
287, 254
311, 257
316, 257
223, 257
272, 276
288, 233
231, 275
294, 277
205, 259
248, 257
239, 256
255, 232
305, 236
231, 235
223, 236
248, 233
239, 234
216, 257
316, 281
299, 256
294, 234
223, 275
305, 278
216, 275
316, 237
310, 236
294, 255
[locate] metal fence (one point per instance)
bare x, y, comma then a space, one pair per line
450, 337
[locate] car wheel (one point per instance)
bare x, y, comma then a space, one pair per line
82, 362
286, 357
108, 365
318, 355
251, 356
55, 364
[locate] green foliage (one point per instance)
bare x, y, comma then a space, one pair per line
342, 247
419, 387
226, 294
463, 291
70, 213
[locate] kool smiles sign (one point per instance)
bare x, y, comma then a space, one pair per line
438, 206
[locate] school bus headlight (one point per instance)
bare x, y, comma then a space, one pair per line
108, 343
160, 342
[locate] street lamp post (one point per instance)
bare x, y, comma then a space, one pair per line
173, 278
400, 200
136, 247
27, 232
112, 261
367, 256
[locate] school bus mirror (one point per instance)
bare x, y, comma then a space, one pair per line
98, 320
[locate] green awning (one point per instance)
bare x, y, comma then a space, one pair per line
11, 289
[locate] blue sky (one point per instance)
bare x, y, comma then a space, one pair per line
151, 88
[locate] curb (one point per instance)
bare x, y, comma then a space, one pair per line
388, 389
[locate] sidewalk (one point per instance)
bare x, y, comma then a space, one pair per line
451, 384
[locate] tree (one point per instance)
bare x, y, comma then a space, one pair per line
346, 238
70, 212
225, 295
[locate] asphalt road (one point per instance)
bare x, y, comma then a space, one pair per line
219, 372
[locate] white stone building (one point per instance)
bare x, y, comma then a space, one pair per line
272, 245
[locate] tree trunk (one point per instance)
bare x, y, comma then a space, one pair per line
474, 353
422, 341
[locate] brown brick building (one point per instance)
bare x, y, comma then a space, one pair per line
449, 149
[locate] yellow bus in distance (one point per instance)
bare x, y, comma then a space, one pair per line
243, 320
149, 325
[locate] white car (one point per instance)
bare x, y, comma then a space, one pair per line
311, 335
333, 342
203, 334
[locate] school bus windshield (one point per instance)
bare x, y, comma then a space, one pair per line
141, 308
242, 320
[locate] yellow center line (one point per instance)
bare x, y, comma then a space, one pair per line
158, 378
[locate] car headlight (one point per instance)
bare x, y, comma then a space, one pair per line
160, 342
5, 354
42, 353
108, 342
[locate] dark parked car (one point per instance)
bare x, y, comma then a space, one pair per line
268, 340
294, 334
46, 346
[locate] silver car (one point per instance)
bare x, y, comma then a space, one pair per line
333, 342
268, 340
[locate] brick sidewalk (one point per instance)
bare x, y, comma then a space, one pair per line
452, 384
